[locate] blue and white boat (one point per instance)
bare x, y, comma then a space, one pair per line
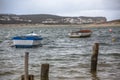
27, 41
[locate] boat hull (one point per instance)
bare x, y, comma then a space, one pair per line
26, 43
79, 35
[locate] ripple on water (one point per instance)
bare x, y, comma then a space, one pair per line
69, 58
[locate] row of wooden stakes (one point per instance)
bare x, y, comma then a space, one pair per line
45, 67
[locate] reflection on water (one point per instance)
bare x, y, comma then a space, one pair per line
69, 58
94, 76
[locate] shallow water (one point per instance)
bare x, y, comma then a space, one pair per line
69, 58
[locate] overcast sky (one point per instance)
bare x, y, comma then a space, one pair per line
108, 8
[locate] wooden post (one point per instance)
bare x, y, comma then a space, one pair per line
26, 75
26, 65
45, 72
30, 77
94, 58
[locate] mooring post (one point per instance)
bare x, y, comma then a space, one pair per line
26, 65
26, 75
45, 72
94, 58
30, 77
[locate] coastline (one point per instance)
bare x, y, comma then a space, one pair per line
68, 25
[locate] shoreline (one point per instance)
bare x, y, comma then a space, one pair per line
68, 25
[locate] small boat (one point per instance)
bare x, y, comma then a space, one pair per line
81, 33
27, 41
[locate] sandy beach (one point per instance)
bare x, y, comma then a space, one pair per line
69, 25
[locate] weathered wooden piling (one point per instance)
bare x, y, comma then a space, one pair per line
94, 58
45, 72
26, 65
26, 76
30, 77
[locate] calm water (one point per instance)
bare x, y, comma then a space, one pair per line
69, 58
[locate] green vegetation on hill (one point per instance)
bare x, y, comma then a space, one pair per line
48, 19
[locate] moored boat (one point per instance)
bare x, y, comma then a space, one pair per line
27, 41
81, 33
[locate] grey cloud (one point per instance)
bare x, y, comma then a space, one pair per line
4, 6
112, 4
1, 4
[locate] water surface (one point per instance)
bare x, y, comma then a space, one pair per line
69, 58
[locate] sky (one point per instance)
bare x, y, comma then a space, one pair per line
106, 8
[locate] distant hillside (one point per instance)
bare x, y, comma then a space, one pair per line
48, 19
114, 21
